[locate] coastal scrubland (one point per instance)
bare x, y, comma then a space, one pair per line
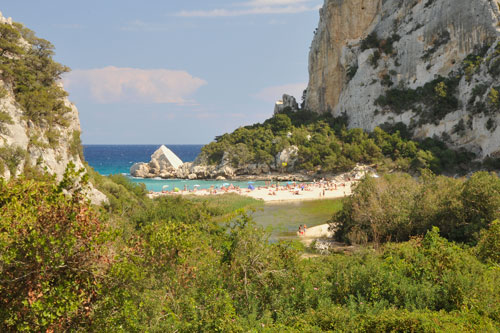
326, 145
168, 264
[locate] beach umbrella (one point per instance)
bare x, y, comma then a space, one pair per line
251, 187
196, 185
176, 189
164, 187
225, 184
251, 183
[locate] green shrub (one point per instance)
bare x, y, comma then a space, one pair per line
488, 248
3, 92
5, 118
75, 145
51, 257
438, 96
12, 157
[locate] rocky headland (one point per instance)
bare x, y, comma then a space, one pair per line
165, 164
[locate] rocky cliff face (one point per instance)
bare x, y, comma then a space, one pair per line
34, 139
29, 145
431, 64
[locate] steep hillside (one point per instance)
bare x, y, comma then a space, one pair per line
431, 64
39, 126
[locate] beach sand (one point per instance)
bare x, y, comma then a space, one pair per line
313, 193
270, 195
318, 232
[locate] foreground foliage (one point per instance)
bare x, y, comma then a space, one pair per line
52, 256
172, 267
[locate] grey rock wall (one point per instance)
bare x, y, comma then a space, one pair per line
434, 37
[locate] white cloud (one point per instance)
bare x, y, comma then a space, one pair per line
113, 84
272, 94
256, 7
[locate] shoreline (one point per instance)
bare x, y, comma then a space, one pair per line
269, 194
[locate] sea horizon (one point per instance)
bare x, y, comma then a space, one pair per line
118, 158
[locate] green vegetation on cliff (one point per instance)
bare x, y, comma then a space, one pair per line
32, 74
29, 74
326, 145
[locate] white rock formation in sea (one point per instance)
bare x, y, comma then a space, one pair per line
165, 158
164, 163
413, 42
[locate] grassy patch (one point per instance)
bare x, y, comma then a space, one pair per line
283, 219
322, 206
227, 203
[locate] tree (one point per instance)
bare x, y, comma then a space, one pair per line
280, 123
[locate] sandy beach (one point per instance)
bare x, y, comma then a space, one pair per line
270, 194
313, 233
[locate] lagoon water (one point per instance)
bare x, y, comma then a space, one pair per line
117, 159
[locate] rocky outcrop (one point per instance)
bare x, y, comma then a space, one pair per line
287, 158
32, 144
164, 163
29, 145
286, 102
366, 50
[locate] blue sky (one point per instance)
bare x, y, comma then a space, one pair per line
174, 71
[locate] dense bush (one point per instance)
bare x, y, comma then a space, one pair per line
397, 207
326, 145
52, 256
438, 97
172, 267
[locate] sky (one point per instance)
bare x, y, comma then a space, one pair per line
171, 71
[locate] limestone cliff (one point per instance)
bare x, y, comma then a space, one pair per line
39, 126
431, 64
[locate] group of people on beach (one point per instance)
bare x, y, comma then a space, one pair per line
296, 188
302, 230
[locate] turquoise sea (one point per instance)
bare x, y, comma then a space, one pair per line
117, 159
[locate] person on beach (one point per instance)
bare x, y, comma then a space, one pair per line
301, 232
304, 228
